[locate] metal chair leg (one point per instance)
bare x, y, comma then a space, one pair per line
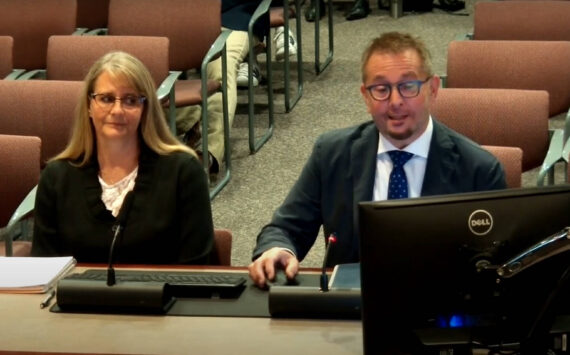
227, 148
319, 68
291, 102
255, 145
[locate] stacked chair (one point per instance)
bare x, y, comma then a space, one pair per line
70, 57
19, 172
511, 159
7, 70
41, 108
504, 118
521, 65
30, 23
30, 108
521, 20
92, 15
532, 21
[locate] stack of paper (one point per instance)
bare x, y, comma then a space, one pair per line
32, 274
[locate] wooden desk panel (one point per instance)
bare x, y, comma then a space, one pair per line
26, 327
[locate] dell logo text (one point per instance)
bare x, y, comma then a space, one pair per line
480, 222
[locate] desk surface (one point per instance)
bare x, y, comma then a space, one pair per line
26, 327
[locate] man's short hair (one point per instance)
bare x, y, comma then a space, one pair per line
397, 43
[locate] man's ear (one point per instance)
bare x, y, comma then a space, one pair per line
365, 96
435, 84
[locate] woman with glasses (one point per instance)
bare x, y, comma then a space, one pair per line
124, 176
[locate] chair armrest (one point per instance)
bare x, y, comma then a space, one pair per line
33, 74
553, 156
215, 49
96, 32
443, 81
167, 85
464, 37
567, 126
26, 206
15, 74
80, 31
261, 9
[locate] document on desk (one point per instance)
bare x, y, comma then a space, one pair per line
32, 274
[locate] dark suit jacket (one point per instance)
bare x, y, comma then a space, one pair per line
340, 173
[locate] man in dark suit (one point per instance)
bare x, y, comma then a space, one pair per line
355, 164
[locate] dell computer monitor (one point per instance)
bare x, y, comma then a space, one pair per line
430, 266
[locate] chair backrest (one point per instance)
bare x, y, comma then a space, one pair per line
30, 23
41, 108
6, 55
191, 26
92, 14
222, 252
527, 65
511, 159
19, 248
522, 20
70, 57
500, 117
19, 171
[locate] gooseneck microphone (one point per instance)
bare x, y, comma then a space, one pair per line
324, 277
299, 301
76, 293
118, 229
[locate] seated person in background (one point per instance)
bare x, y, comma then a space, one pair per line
235, 16
355, 164
121, 143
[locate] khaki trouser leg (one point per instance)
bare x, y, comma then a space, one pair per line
237, 47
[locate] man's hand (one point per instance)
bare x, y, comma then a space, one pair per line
263, 268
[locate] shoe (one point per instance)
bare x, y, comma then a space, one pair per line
279, 41
361, 9
193, 136
213, 166
242, 75
311, 11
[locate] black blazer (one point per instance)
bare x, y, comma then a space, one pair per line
340, 173
170, 220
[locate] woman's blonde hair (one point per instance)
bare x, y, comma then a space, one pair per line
153, 130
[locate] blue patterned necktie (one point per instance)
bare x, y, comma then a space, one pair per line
398, 184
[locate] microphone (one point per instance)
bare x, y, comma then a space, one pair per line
83, 294
324, 277
118, 228
315, 302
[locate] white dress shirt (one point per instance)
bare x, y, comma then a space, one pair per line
415, 168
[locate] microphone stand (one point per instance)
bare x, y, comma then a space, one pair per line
86, 295
315, 302
324, 277
118, 228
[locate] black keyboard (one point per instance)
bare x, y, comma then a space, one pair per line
180, 283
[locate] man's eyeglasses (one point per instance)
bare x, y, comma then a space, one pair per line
107, 101
407, 89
